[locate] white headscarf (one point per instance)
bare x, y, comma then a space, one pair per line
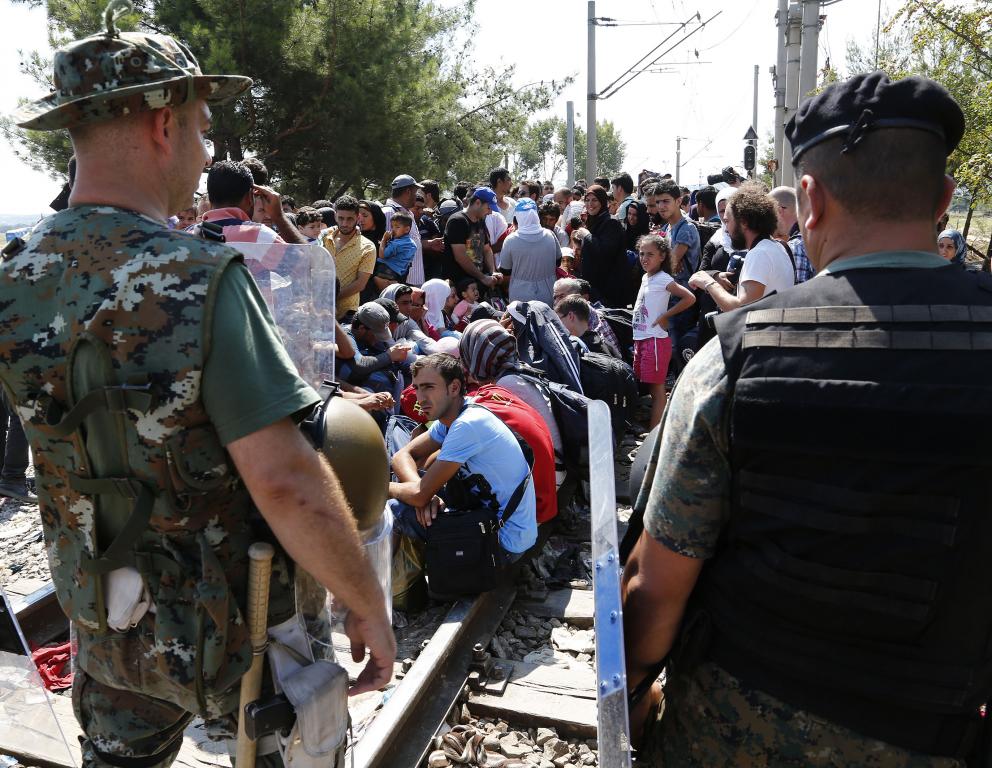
725, 194
526, 216
436, 293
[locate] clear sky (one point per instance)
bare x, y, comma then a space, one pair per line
709, 104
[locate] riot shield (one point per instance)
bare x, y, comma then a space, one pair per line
31, 718
298, 284
611, 674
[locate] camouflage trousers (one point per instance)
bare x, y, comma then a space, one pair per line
710, 718
123, 728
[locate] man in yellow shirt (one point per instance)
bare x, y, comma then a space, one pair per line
354, 255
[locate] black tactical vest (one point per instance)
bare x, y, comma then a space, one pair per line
851, 578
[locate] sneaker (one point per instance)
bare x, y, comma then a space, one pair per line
18, 491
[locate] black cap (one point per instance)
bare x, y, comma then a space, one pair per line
868, 102
395, 316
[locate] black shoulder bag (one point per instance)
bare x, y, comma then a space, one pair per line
463, 554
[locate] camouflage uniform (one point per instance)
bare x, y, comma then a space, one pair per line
711, 717
104, 338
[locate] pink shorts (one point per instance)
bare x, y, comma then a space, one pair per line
651, 358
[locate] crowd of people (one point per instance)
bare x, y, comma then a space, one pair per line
813, 508
524, 284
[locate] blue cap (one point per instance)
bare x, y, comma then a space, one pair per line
525, 204
486, 195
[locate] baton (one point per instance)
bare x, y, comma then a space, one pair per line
259, 573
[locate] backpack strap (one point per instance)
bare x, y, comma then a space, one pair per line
518, 492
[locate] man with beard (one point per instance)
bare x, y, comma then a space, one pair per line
752, 219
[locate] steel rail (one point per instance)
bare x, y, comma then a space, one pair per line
402, 732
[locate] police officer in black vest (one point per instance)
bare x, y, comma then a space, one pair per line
818, 530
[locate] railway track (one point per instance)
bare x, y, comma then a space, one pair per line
459, 673
453, 663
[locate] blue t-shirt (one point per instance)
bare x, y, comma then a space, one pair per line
398, 254
494, 465
685, 233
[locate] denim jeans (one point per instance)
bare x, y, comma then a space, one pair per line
13, 445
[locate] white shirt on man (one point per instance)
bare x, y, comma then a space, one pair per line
769, 264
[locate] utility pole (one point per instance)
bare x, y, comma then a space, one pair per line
678, 157
570, 142
754, 119
592, 161
793, 39
778, 77
809, 52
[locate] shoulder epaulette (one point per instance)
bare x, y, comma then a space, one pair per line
211, 231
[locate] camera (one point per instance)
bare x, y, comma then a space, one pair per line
728, 175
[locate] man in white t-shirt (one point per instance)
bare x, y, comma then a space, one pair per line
751, 221
501, 183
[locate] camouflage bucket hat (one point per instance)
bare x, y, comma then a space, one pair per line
118, 73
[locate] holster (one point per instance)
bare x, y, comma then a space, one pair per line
318, 691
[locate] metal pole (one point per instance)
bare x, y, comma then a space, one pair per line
809, 52
570, 142
678, 158
592, 161
878, 30
754, 119
793, 39
778, 78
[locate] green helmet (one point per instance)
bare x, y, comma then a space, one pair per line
117, 73
356, 450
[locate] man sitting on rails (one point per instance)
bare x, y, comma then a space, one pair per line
469, 444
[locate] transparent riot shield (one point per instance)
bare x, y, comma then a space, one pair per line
611, 674
31, 719
298, 284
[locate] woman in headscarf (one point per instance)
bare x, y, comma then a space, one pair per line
604, 254
489, 354
951, 246
372, 222
530, 255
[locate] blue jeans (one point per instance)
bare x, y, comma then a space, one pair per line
405, 522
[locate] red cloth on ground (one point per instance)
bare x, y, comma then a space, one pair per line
54, 666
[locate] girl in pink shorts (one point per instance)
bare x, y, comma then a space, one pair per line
652, 344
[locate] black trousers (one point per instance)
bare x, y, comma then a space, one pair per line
13, 445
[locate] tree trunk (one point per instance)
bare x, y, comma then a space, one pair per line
987, 266
237, 152
967, 221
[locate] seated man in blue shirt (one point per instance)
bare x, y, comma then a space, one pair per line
471, 445
398, 250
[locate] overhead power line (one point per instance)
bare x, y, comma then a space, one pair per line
646, 55
630, 74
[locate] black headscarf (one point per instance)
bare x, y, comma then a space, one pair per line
378, 219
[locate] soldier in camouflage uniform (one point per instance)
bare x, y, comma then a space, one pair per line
808, 570
160, 407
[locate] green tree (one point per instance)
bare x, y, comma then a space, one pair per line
347, 93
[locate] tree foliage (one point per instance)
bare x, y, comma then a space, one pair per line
543, 151
347, 93
947, 43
